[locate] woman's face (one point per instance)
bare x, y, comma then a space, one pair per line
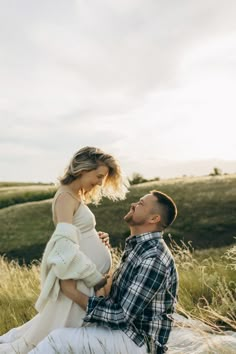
90, 179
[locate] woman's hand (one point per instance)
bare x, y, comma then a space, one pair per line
104, 237
105, 289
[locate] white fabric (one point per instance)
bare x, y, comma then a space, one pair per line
59, 311
194, 337
187, 337
88, 340
63, 259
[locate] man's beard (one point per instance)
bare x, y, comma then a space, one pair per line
131, 222
129, 216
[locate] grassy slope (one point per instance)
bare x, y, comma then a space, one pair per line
206, 210
14, 194
206, 216
25, 229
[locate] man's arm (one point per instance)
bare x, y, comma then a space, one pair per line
68, 288
147, 279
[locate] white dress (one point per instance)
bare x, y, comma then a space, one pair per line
61, 312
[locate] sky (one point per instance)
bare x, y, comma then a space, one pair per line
152, 82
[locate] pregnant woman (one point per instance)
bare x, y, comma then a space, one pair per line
75, 251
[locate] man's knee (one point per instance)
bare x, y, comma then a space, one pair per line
57, 333
57, 337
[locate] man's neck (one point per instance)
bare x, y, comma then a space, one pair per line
138, 230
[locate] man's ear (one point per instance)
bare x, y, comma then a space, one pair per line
154, 219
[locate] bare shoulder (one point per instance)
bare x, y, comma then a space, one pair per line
65, 206
65, 196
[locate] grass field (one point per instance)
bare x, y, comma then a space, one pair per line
207, 269
12, 195
211, 297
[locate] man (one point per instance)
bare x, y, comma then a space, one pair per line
136, 316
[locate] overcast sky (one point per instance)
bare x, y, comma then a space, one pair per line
151, 81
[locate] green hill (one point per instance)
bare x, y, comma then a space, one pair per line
206, 216
16, 193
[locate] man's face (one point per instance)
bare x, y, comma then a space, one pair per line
141, 211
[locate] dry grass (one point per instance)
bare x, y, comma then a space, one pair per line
19, 288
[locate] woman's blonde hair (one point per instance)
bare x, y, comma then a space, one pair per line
115, 185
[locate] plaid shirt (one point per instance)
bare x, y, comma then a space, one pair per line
143, 293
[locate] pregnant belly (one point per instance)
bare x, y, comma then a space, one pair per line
93, 247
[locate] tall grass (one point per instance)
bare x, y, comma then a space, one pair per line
19, 289
207, 285
207, 288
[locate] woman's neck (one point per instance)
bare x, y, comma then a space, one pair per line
72, 187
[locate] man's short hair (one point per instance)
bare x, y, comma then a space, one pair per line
168, 208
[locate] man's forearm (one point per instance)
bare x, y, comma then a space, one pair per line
68, 288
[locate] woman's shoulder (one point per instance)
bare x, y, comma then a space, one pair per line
64, 206
65, 194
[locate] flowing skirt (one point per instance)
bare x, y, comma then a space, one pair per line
59, 314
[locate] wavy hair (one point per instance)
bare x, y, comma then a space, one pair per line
115, 185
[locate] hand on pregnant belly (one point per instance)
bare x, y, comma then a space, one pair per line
104, 237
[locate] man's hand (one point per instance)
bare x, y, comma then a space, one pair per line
101, 283
108, 285
104, 237
100, 292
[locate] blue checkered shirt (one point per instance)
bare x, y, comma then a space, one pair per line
143, 293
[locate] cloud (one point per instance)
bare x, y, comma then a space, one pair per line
145, 80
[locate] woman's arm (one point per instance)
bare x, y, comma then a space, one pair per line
66, 258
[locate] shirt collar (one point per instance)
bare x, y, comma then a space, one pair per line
146, 236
